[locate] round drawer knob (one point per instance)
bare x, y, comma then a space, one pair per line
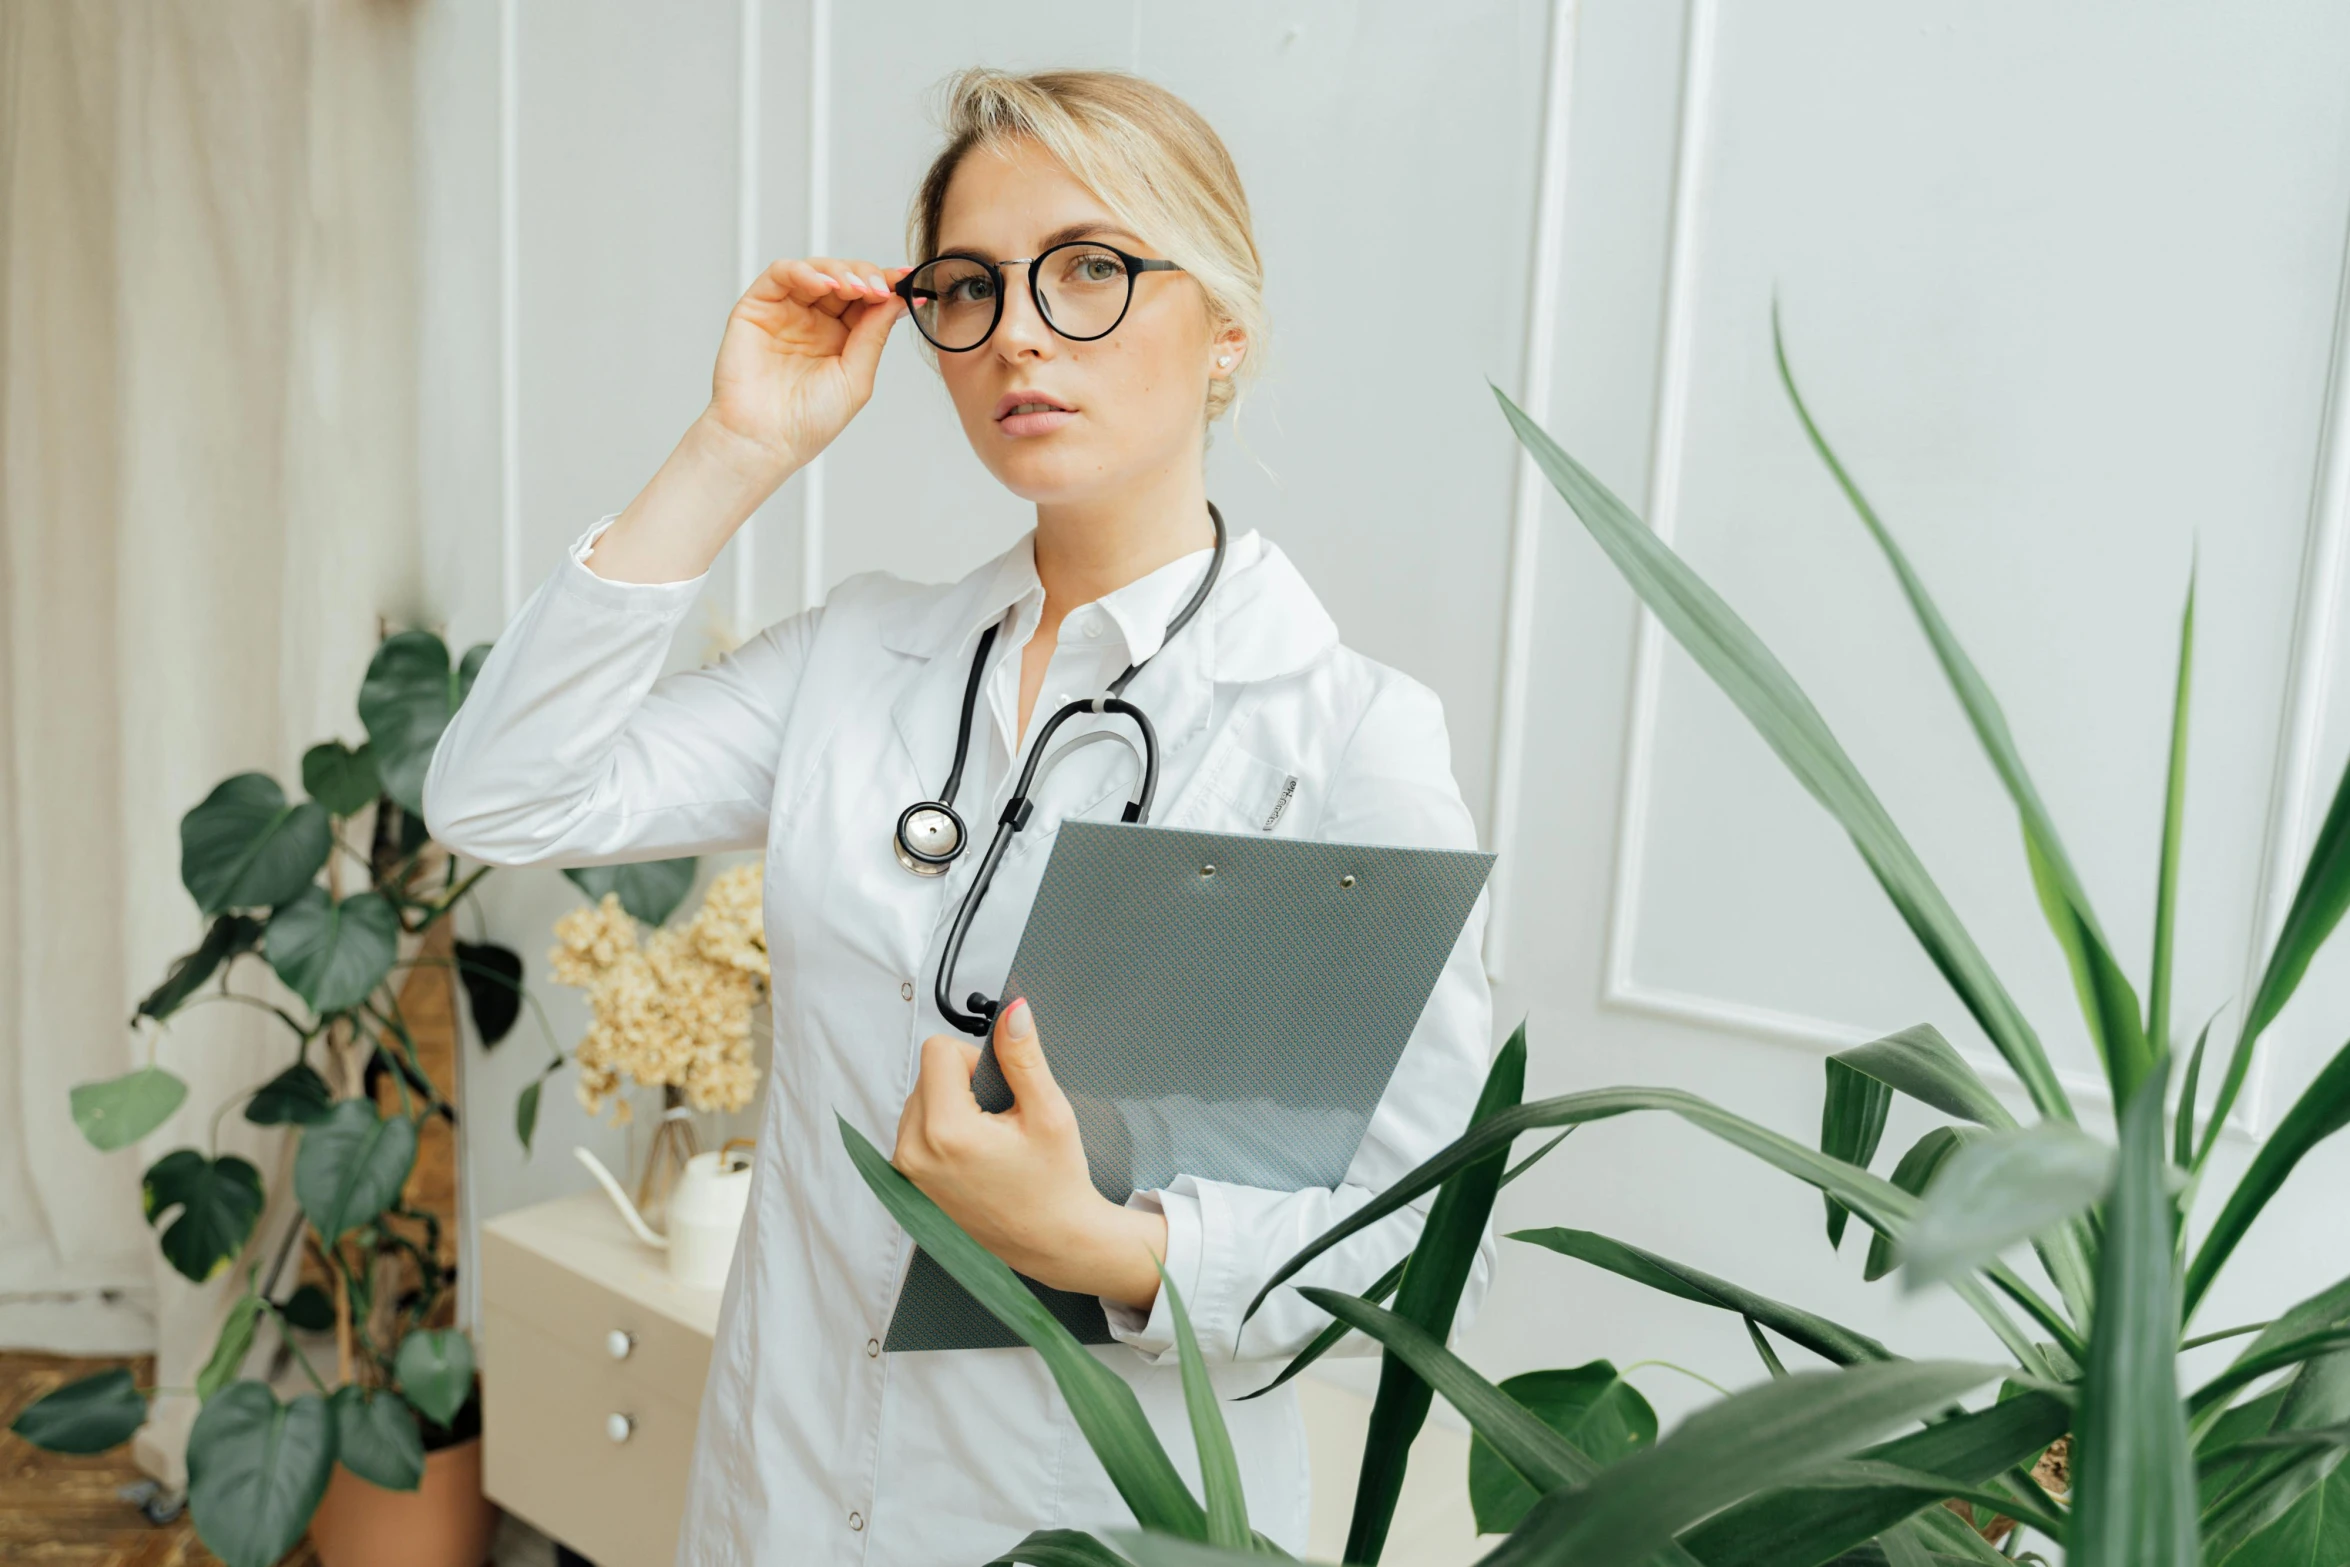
619, 1344
619, 1427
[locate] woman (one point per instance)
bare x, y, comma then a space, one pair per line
1090, 394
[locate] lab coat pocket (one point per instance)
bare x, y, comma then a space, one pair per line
1248, 794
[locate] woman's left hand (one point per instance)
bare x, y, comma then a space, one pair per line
1017, 1181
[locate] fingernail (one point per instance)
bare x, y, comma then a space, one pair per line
829, 278
1023, 1021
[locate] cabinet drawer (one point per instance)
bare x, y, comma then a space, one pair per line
663, 1356
548, 1454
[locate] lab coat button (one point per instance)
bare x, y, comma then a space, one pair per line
872, 1348
906, 990
857, 1522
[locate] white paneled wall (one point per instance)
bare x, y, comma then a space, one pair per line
2064, 283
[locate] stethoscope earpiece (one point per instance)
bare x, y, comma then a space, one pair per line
930, 837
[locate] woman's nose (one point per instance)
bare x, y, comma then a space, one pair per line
1021, 330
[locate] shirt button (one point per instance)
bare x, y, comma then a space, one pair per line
1093, 628
906, 990
857, 1521
872, 1348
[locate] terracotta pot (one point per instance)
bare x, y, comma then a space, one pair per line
444, 1522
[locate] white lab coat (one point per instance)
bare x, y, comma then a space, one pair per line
574, 749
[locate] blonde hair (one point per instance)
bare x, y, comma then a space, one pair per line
1150, 158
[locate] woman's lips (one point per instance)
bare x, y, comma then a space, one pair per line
1043, 421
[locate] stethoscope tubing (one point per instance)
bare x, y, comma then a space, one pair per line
978, 1013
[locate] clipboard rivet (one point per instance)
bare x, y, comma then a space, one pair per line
1347, 880
1207, 870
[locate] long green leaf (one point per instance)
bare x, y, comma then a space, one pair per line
1829, 1340
1871, 1474
1852, 1123
1999, 1190
1147, 1549
1323, 1342
2322, 1110
1747, 672
2106, 998
1801, 1527
1060, 1548
2276, 1357
1219, 1470
2183, 1138
2134, 1493
1428, 1297
1763, 1437
1101, 1401
1882, 1205
2255, 1502
1919, 1062
1914, 1174
2174, 809
2318, 904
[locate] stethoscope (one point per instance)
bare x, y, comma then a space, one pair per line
930, 837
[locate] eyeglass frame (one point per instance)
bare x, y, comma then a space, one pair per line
904, 289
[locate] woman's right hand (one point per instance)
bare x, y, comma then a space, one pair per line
796, 363
799, 355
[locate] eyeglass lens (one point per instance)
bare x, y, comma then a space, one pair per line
1083, 289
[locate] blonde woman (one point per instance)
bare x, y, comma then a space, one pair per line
1088, 287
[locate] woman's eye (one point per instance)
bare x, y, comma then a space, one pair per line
971, 291
1097, 269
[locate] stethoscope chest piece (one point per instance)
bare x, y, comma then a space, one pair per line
929, 837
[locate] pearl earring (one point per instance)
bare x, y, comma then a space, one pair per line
1223, 360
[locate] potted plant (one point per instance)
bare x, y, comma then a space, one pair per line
340, 895
1861, 1455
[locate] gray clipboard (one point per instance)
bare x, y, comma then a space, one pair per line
1214, 1004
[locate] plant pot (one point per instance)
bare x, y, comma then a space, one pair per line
444, 1522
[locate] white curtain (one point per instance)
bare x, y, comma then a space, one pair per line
207, 492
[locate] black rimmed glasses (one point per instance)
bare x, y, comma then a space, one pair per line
1081, 290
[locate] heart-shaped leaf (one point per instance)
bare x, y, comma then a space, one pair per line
351, 1166
297, 1096
309, 1309
339, 778
248, 847
331, 954
436, 1372
218, 1202
469, 668
492, 976
376, 1438
406, 701
227, 936
256, 1469
651, 891
88, 1416
232, 1346
119, 1111
1592, 1406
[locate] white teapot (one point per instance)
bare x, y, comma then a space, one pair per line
705, 1212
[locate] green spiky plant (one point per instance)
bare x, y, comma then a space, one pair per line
268, 874
1860, 1459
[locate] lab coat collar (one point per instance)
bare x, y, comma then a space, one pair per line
1262, 621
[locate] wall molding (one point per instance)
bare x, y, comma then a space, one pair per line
819, 240
2295, 800
2320, 640
750, 89
1667, 452
510, 305
1542, 312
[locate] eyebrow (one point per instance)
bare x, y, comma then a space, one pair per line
1060, 236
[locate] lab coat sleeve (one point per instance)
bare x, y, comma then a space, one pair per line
573, 748
1393, 785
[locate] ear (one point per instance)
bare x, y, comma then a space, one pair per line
1230, 343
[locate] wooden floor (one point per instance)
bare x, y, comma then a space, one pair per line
63, 1512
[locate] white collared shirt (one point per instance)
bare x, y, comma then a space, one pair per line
574, 749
